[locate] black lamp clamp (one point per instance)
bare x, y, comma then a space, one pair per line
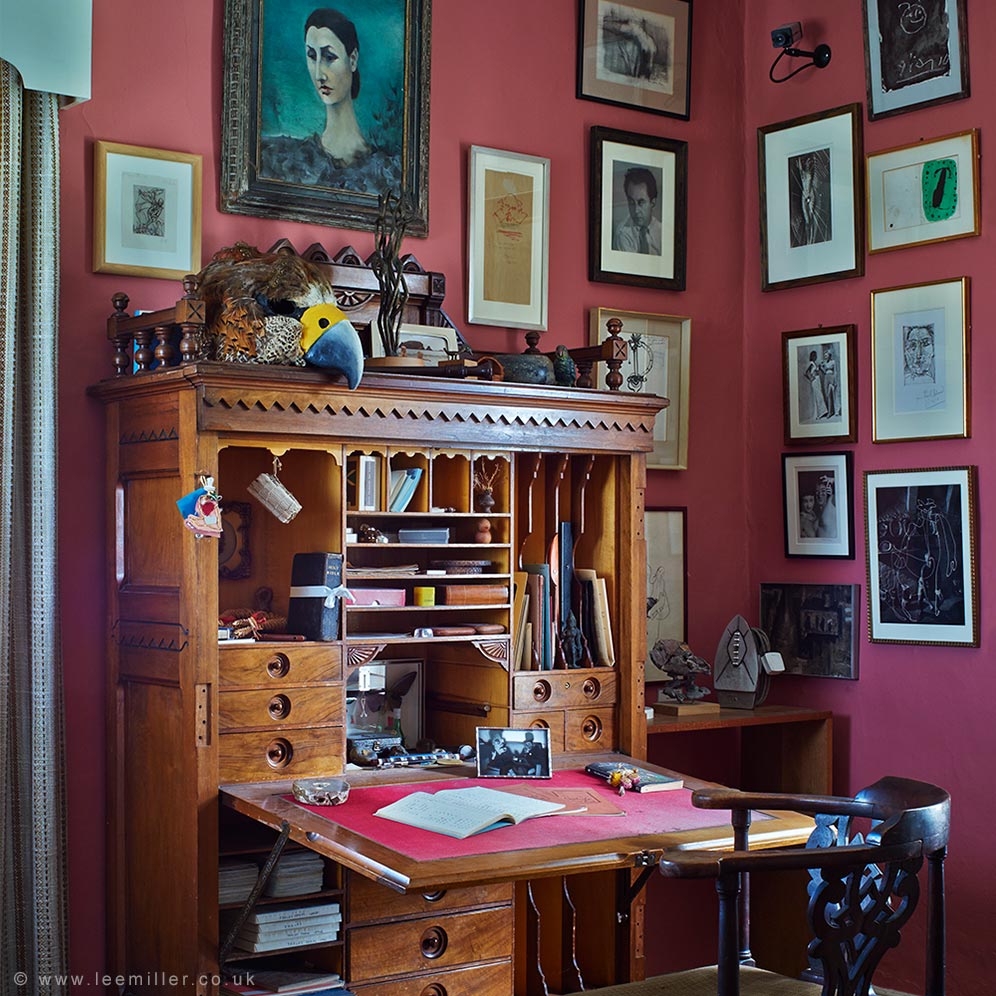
785, 37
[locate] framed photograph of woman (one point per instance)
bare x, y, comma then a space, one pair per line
916, 54
920, 362
811, 181
923, 582
819, 516
326, 108
819, 376
639, 208
636, 53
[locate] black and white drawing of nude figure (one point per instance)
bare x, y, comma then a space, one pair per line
920, 576
918, 354
915, 42
635, 47
339, 155
809, 198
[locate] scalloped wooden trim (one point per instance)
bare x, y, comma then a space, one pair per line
493, 650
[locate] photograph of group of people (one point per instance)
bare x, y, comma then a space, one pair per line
507, 753
819, 384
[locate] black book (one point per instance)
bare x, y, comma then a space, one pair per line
313, 610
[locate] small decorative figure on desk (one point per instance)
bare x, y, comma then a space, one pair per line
486, 475
483, 534
679, 666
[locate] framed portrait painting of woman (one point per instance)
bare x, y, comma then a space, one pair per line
326, 108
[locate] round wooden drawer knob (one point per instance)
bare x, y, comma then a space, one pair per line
542, 691
279, 707
591, 688
434, 897
433, 989
278, 666
433, 942
279, 753
591, 728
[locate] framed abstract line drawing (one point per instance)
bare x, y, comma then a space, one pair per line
921, 386
819, 377
658, 353
922, 193
636, 53
916, 54
639, 209
508, 232
819, 503
812, 627
324, 109
146, 211
922, 556
811, 182
667, 579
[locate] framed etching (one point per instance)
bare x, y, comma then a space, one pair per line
636, 53
812, 627
658, 352
819, 502
810, 175
819, 377
639, 208
509, 236
922, 556
146, 211
667, 579
302, 139
922, 193
916, 54
920, 362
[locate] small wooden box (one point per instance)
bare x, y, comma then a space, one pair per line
474, 594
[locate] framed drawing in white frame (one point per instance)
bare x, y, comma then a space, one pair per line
819, 377
922, 556
146, 211
667, 580
658, 353
819, 505
921, 387
811, 181
508, 235
925, 192
916, 54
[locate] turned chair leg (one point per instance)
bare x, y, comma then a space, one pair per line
728, 887
935, 922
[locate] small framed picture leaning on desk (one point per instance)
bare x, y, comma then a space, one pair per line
508, 753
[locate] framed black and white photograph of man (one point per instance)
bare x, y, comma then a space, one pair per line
812, 627
503, 752
920, 362
811, 182
819, 375
638, 209
819, 518
922, 556
636, 53
326, 108
916, 54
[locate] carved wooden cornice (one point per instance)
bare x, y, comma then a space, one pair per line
266, 399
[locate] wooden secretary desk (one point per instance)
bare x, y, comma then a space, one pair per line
187, 715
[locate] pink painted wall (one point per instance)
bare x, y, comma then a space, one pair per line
914, 710
917, 711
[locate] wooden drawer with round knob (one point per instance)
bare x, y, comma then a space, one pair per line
589, 729
564, 689
279, 664
368, 900
428, 943
269, 708
481, 980
267, 756
552, 721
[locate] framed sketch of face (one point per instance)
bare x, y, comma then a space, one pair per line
819, 378
507, 753
819, 518
920, 362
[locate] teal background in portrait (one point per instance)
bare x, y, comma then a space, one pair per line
289, 104
940, 189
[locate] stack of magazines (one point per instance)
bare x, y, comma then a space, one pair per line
290, 925
295, 874
235, 880
266, 982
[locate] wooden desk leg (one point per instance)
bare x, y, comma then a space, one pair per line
535, 979
741, 842
572, 973
935, 922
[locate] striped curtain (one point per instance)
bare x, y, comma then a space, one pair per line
33, 925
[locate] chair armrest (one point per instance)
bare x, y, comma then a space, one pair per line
714, 864
722, 798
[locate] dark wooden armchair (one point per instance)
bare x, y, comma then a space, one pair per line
862, 889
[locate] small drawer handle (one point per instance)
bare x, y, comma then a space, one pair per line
434, 897
278, 666
279, 707
433, 942
433, 989
279, 753
591, 728
542, 691
591, 688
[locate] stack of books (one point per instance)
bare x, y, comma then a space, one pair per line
265, 982
289, 925
235, 880
296, 873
